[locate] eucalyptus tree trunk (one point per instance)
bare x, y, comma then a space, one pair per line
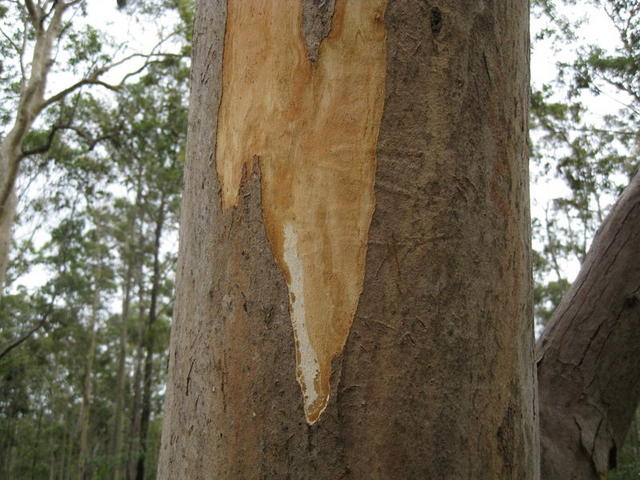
587, 357
29, 106
116, 441
354, 286
87, 392
61, 464
149, 342
133, 261
133, 450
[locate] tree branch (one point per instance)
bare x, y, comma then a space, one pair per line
11, 42
91, 141
33, 14
5, 351
81, 83
93, 79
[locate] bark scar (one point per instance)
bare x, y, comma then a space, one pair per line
314, 127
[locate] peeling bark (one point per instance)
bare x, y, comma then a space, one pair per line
435, 378
313, 129
587, 357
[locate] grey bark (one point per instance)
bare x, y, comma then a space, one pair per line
587, 356
436, 379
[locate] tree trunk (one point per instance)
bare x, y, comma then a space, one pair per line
355, 218
149, 342
87, 393
36, 444
587, 356
65, 465
136, 406
132, 260
62, 446
29, 106
116, 441
7, 445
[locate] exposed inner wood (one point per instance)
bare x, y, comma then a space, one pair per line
314, 129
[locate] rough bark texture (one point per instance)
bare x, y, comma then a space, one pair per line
587, 358
316, 24
436, 378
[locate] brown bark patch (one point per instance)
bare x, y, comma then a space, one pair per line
314, 126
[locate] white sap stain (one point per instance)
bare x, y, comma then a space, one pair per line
308, 366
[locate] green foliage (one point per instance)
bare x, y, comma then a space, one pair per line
85, 45
594, 157
99, 227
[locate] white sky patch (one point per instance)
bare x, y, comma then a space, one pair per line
308, 367
546, 56
125, 34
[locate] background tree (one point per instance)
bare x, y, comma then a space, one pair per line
43, 31
587, 382
108, 284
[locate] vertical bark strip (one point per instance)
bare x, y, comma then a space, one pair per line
314, 128
436, 377
445, 317
589, 388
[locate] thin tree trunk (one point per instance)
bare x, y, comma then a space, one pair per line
588, 376
52, 457
30, 104
354, 284
64, 465
150, 343
636, 448
132, 260
87, 394
115, 446
7, 443
36, 445
60, 464
134, 426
